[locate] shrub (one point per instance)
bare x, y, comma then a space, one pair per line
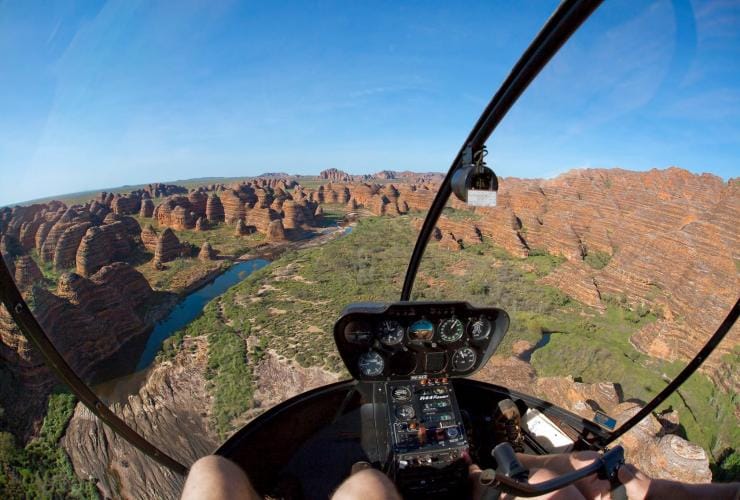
597, 259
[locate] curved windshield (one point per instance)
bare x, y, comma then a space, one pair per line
611, 245
189, 201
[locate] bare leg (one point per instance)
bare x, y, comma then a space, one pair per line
368, 484
213, 477
536, 476
542, 475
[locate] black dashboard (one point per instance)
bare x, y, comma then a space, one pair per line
411, 340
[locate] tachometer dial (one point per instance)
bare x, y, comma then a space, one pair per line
463, 359
451, 330
479, 328
371, 364
391, 332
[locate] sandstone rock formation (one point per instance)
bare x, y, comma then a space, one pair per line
65, 251
198, 201
149, 238
103, 245
27, 272
126, 204
335, 175
293, 215
175, 212
233, 206
147, 208
168, 247
275, 231
28, 383
101, 311
659, 455
214, 209
129, 282
206, 252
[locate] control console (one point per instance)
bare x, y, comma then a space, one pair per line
405, 355
427, 437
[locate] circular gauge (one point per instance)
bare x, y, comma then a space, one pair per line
371, 364
401, 393
421, 331
405, 412
451, 330
358, 332
463, 359
479, 328
402, 363
391, 332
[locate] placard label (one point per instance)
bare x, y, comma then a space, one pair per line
481, 198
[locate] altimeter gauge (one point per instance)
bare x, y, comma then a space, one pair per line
391, 332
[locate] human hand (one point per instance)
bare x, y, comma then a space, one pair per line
590, 486
635, 482
476, 489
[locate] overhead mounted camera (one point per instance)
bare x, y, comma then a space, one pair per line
474, 183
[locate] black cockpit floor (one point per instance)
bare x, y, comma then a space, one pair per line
324, 461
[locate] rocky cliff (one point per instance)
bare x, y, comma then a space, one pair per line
170, 410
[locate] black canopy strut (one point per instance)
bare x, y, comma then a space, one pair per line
566, 19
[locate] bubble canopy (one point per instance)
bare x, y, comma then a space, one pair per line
472, 252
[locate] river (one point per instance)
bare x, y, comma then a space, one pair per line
189, 308
118, 389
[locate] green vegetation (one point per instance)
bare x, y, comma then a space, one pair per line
543, 263
230, 374
457, 214
597, 259
178, 275
42, 469
221, 236
51, 277
727, 466
291, 305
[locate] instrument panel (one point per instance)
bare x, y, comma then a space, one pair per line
417, 339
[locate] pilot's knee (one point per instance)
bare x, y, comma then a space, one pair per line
368, 484
216, 477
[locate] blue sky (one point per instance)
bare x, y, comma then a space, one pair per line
99, 95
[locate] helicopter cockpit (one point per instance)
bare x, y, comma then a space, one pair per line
518, 304
408, 412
